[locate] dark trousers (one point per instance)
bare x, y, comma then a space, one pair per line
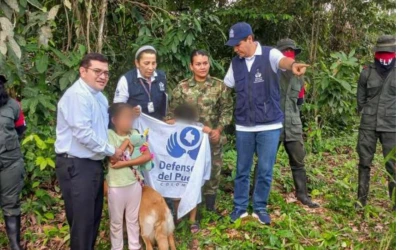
11, 183
366, 147
296, 153
81, 182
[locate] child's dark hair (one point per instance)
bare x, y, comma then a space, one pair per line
186, 112
114, 110
198, 52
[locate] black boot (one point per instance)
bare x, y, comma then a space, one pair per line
363, 186
210, 202
13, 228
300, 183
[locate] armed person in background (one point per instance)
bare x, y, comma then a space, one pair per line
376, 101
11, 165
214, 104
291, 87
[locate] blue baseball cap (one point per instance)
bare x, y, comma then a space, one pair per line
238, 32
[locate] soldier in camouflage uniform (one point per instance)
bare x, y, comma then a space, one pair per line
376, 101
214, 104
292, 131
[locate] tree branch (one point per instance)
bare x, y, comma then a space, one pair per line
88, 15
101, 26
68, 30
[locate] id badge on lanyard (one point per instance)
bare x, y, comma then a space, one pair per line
150, 104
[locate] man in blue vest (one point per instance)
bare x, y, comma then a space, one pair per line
258, 117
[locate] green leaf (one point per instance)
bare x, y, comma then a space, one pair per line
64, 59
41, 63
50, 141
39, 143
273, 240
64, 82
35, 3
47, 104
40, 160
82, 49
49, 216
27, 139
23, 3
197, 23
352, 52
189, 39
43, 165
237, 223
35, 184
50, 162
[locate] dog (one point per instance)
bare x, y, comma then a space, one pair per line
155, 220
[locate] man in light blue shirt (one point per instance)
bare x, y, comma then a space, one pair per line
81, 145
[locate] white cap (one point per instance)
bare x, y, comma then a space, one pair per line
143, 48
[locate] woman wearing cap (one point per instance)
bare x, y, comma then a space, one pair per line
144, 85
11, 166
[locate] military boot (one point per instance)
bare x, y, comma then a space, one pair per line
210, 202
300, 184
13, 228
363, 186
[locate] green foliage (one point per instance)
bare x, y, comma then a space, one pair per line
331, 102
42, 43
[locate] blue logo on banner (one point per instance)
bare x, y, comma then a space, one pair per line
187, 141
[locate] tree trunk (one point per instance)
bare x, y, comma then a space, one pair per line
101, 26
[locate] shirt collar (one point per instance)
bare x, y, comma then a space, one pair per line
91, 90
208, 81
258, 52
153, 77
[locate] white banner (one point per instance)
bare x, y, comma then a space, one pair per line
182, 160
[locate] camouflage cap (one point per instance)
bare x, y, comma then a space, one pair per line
386, 43
287, 43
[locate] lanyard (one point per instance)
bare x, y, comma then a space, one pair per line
145, 89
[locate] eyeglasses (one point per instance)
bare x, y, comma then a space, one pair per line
99, 72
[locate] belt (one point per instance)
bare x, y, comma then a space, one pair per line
65, 155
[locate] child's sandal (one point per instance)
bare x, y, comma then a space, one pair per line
195, 228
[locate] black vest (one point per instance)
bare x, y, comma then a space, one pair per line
138, 95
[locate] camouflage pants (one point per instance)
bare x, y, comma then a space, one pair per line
366, 147
211, 186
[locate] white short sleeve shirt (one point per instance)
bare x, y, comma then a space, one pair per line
275, 57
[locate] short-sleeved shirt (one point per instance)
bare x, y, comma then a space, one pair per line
122, 92
119, 177
275, 57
